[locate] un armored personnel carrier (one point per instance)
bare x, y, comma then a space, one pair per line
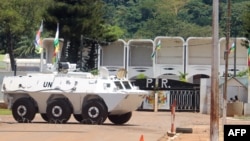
58, 95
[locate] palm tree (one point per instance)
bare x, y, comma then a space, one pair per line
182, 76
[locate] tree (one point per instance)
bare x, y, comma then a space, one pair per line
11, 24
197, 12
82, 18
18, 19
172, 6
246, 23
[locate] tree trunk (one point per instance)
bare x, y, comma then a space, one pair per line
63, 58
10, 51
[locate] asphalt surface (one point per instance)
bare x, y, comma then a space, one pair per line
152, 126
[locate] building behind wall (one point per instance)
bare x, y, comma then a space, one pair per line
237, 60
169, 60
236, 86
113, 56
198, 58
139, 59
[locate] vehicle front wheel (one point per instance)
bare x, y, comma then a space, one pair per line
94, 112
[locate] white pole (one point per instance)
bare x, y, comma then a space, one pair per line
156, 102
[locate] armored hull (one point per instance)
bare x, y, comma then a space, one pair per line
56, 96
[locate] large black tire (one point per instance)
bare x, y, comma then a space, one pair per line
120, 119
94, 112
44, 117
58, 111
78, 117
24, 110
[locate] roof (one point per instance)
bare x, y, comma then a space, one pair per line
239, 81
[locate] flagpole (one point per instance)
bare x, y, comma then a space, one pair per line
41, 55
39, 45
41, 58
224, 120
59, 51
235, 45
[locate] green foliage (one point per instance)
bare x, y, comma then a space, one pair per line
246, 21
83, 18
92, 62
17, 19
242, 73
108, 20
185, 18
182, 76
94, 72
141, 76
21, 17
197, 12
112, 33
25, 47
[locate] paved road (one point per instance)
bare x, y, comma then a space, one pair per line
152, 125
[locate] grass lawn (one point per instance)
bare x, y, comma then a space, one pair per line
5, 112
242, 117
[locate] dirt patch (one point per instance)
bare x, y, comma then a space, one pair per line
3, 105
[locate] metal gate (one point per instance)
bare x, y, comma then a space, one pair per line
186, 100
186, 95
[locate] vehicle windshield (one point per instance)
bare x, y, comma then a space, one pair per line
123, 85
126, 84
118, 84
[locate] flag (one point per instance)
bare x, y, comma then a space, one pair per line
56, 45
157, 47
232, 48
38, 40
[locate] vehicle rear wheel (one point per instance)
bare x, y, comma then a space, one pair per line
24, 110
120, 119
94, 112
58, 111
44, 117
78, 117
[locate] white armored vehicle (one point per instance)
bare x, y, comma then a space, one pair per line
58, 95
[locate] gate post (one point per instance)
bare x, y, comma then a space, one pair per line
156, 102
173, 116
172, 130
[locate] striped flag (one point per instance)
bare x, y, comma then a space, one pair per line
38, 40
232, 48
56, 45
157, 47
